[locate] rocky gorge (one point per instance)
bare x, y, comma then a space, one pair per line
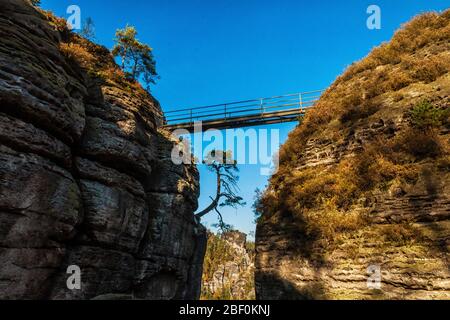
86, 177
359, 208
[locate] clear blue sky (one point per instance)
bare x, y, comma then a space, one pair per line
217, 51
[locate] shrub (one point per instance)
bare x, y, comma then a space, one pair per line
310, 189
77, 54
59, 24
397, 81
385, 54
420, 31
426, 116
420, 144
443, 164
352, 113
328, 224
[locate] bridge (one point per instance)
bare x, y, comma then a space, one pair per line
279, 109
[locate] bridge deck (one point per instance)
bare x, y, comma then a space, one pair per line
287, 108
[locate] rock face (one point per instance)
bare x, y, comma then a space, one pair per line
86, 178
360, 208
229, 268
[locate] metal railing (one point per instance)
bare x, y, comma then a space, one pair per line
242, 109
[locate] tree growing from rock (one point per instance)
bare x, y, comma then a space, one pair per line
222, 164
137, 59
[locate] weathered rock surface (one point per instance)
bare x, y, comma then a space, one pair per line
361, 188
86, 178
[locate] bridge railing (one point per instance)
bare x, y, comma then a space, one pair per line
255, 107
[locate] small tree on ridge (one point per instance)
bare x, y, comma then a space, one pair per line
136, 58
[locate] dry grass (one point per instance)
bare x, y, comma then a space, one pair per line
77, 54
400, 234
59, 24
426, 69
323, 199
98, 62
95, 59
332, 224
418, 145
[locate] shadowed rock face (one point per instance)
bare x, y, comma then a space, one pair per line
86, 179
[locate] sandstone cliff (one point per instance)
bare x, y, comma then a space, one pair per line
365, 181
85, 177
228, 272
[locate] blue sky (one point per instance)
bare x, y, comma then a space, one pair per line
210, 52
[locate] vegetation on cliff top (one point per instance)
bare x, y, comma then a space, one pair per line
220, 253
99, 62
418, 53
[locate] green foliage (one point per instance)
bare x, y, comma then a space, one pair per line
137, 58
223, 163
426, 116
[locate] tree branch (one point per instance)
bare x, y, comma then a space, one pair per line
226, 187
